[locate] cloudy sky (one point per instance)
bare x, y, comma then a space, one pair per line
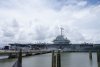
33, 21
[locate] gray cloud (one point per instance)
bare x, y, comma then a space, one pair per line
38, 20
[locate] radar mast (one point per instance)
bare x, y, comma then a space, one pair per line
62, 31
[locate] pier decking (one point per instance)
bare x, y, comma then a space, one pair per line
14, 54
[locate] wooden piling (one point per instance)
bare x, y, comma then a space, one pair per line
98, 56
53, 59
58, 59
18, 63
20, 59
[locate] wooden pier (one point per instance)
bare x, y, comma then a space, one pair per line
14, 54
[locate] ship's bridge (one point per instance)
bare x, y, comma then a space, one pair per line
60, 39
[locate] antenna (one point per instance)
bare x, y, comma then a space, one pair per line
62, 31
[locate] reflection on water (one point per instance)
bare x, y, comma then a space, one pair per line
3, 57
78, 60
32, 61
67, 60
7, 62
38, 61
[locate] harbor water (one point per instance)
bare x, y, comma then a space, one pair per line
67, 60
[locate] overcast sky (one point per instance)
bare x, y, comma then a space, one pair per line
27, 21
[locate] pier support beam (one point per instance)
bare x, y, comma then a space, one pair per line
56, 59
11, 55
20, 59
18, 63
98, 56
53, 59
28, 54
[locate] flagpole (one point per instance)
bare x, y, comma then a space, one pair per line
62, 31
